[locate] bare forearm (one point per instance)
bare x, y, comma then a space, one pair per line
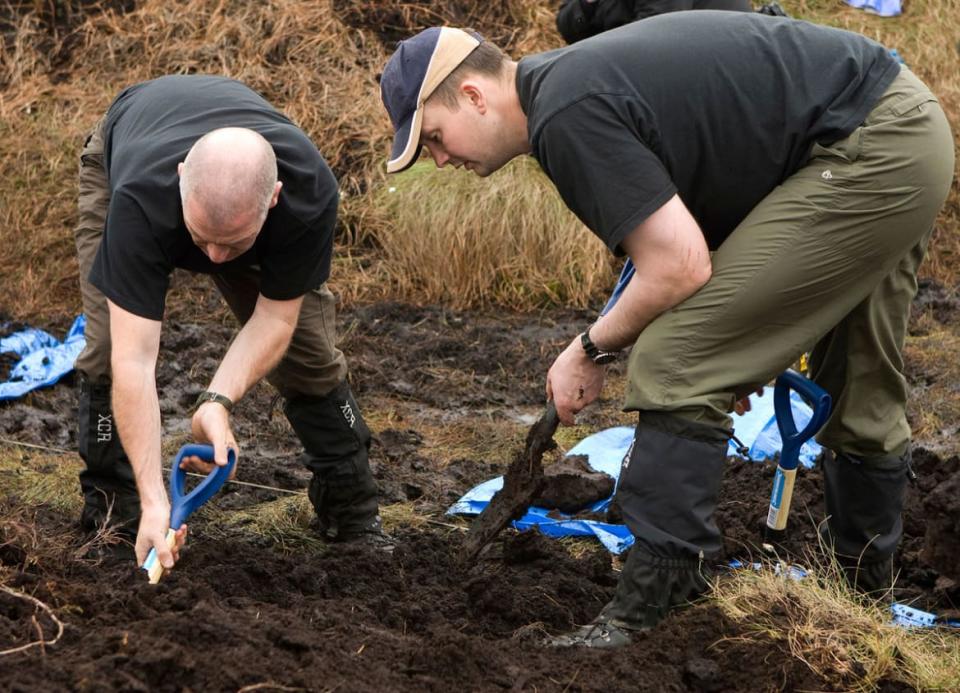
671, 262
641, 302
137, 413
259, 346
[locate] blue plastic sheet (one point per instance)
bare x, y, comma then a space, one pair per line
44, 359
884, 8
605, 452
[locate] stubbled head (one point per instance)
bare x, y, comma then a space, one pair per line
228, 183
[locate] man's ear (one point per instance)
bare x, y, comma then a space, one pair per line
276, 194
473, 92
180, 169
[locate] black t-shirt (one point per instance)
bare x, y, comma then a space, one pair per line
720, 107
150, 127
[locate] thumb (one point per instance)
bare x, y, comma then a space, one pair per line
164, 554
220, 448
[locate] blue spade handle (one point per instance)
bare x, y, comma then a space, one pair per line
182, 506
813, 395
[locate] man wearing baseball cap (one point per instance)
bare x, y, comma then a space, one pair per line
775, 184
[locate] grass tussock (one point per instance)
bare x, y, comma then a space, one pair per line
843, 638
41, 479
505, 240
284, 522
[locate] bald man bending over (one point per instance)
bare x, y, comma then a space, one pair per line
201, 173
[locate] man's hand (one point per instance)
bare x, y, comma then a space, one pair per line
742, 405
211, 424
573, 381
152, 534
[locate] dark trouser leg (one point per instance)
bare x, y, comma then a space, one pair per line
864, 505
667, 494
337, 441
108, 486
107, 482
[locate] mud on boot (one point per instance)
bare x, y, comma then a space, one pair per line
337, 441
347, 510
864, 498
600, 634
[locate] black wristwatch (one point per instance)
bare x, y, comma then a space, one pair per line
207, 396
601, 358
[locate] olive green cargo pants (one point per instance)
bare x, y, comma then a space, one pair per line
826, 263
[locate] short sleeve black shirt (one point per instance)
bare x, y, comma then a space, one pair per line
149, 129
718, 107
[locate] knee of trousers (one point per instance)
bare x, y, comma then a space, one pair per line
669, 485
864, 499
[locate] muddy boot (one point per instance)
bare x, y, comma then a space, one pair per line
864, 506
110, 496
667, 495
342, 490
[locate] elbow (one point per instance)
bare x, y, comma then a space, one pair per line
696, 275
702, 274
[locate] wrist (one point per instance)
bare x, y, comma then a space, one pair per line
211, 397
599, 356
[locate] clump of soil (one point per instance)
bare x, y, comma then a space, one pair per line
572, 484
941, 547
522, 481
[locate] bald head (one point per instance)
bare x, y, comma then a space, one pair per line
230, 179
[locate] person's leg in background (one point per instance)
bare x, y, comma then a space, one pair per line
107, 481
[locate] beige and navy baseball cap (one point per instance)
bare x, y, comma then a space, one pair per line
414, 71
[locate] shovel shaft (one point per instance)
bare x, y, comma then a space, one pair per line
792, 440
521, 484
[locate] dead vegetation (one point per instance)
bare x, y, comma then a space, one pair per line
61, 63
842, 637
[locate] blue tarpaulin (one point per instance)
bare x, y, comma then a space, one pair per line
884, 8
605, 452
43, 358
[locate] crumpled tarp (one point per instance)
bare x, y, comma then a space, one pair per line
884, 8
44, 359
605, 452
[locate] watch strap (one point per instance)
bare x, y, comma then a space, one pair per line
208, 396
593, 352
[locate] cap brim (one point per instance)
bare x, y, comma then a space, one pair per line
406, 143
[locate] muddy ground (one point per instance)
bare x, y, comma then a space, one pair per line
243, 613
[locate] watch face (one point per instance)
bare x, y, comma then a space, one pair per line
603, 359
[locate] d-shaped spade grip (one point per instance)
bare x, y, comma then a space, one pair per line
793, 440
182, 506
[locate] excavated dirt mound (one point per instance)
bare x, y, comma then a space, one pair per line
240, 612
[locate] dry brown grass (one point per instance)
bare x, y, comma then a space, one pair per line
319, 61
845, 639
450, 237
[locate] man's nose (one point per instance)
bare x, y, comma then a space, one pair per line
217, 253
440, 158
